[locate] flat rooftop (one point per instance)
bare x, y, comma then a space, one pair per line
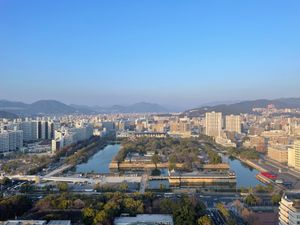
145, 219
59, 222
293, 196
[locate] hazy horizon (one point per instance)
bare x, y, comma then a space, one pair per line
171, 53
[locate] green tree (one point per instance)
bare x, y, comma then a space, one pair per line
223, 210
251, 200
172, 162
184, 212
101, 217
166, 206
123, 187
14, 206
132, 206
63, 186
276, 199
205, 220
5, 181
64, 204
155, 159
88, 215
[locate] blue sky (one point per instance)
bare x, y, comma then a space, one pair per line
171, 52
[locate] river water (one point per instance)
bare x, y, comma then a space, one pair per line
99, 163
245, 175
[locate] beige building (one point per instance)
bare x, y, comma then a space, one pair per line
278, 153
233, 123
213, 124
181, 127
225, 142
289, 209
257, 142
291, 157
158, 127
294, 155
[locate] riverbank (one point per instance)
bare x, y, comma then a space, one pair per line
99, 161
252, 164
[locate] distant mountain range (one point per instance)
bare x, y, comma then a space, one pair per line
245, 106
10, 109
8, 115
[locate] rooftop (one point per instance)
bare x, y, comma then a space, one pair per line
293, 196
145, 219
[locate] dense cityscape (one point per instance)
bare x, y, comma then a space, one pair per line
147, 167
149, 112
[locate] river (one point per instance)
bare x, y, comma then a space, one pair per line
245, 175
99, 162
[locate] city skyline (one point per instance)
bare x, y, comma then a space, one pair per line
149, 112
170, 53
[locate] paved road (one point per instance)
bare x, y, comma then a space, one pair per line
58, 170
216, 216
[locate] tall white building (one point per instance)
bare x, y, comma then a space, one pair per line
35, 130
289, 208
213, 124
67, 137
15, 139
233, 123
19, 139
11, 140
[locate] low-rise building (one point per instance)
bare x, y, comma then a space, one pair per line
149, 219
257, 142
278, 153
225, 142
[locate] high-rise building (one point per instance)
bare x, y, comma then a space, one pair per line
45, 130
213, 124
30, 130
12, 141
289, 208
19, 139
4, 141
233, 123
15, 139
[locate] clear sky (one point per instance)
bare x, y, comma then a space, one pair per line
171, 52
